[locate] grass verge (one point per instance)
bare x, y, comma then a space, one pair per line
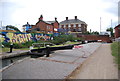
115, 47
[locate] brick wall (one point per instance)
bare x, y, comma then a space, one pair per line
56, 26
44, 27
103, 38
117, 31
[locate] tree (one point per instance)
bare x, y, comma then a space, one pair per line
92, 33
111, 31
95, 33
12, 27
88, 33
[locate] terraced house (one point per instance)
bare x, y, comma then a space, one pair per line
46, 26
73, 25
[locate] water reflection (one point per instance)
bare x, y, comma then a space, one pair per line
6, 62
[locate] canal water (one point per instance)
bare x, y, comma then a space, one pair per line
8, 61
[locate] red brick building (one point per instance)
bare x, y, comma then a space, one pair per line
73, 25
117, 31
46, 26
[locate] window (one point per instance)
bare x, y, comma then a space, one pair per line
74, 25
48, 27
79, 25
64, 25
69, 25
68, 29
79, 29
74, 30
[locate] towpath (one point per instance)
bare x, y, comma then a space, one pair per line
100, 65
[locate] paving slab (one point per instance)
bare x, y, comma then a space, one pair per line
38, 69
58, 66
80, 60
67, 56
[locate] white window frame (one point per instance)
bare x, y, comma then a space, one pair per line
79, 29
79, 25
64, 26
69, 25
74, 25
48, 27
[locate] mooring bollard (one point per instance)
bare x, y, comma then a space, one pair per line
11, 47
47, 51
83, 42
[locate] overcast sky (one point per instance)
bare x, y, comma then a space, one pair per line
19, 12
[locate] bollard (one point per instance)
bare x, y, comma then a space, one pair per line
11, 47
83, 42
47, 51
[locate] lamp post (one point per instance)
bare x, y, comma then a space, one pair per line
100, 24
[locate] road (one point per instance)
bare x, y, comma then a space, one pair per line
100, 65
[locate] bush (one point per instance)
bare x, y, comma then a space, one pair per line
64, 38
6, 44
28, 44
17, 46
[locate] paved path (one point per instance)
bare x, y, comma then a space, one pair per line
99, 66
58, 66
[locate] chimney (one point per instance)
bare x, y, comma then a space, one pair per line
41, 18
55, 18
66, 18
27, 23
75, 17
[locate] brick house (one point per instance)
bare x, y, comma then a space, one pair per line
46, 26
73, 25
117, 31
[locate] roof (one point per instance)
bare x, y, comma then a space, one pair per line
47, 22
50, 22
117, 26
72, 21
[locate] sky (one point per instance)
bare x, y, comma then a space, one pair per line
19, 12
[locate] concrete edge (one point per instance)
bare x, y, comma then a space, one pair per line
13, 55
19, 61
